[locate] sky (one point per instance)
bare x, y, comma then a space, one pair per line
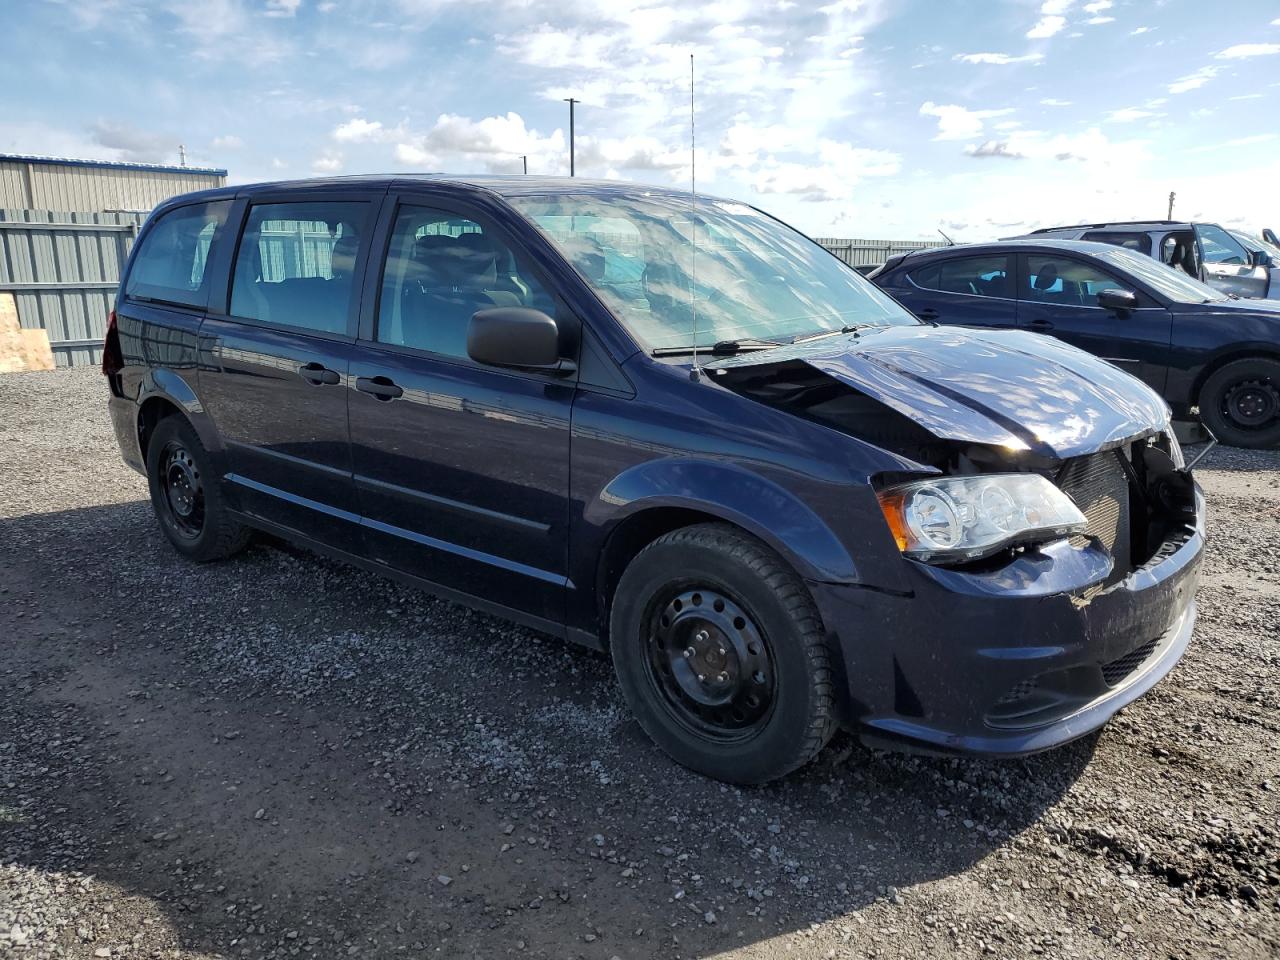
885, 119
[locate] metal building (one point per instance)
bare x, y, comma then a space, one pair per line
51, 183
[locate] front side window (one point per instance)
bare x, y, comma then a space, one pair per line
296, 264
1056, 279
1172, 283
169, 265
679, 271
441, 268
976, 276
1219, 246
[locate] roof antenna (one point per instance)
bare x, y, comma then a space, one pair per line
696, 372
950, 242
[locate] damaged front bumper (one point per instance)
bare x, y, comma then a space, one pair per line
1017, 660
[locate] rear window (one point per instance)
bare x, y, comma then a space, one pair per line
986, 276
1139, 242
170, 262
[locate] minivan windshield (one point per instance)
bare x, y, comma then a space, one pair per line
680, 271
1170, 281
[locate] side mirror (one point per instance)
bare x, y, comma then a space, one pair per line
516, 337
1260, 258
1117, 299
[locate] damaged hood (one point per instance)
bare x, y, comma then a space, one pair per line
1014, 389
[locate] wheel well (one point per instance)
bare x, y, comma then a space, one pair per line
1220, 362
628, 538
151, 413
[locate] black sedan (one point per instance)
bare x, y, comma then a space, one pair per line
1198, 347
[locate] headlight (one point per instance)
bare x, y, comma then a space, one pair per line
964, 518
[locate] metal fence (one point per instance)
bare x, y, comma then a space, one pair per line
871, 253
63, 268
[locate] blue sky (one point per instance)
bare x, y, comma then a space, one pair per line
855, 118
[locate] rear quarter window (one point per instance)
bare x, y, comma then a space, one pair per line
171, 258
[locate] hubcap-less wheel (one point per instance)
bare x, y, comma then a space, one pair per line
183, 490
1251, 404
712, 664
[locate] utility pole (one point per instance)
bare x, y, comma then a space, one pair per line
182, 155
525, 158
570, 101
1171, 196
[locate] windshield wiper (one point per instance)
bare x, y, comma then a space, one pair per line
720, 348
847, 328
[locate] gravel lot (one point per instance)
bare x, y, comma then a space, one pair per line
283, 756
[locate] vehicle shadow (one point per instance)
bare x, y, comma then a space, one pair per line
280, 752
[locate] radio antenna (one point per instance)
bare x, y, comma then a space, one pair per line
693, 222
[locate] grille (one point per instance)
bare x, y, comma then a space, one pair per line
1019, 691
1115, 671
1100, 488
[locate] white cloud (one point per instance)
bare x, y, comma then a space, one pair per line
495, 143
282, 8
328, 162
1098, 21
1097, 6
998, 59
358, 130
228, 142
839, 169
1243, 50
956, 122
1195, 80
1053, 102
131, 144
1052, 19
1139, 31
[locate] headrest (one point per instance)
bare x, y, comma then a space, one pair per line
1047, 276
447, 261
342, 259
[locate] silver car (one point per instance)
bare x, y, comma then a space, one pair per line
1206, 251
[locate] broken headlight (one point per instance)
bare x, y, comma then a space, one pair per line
949, 519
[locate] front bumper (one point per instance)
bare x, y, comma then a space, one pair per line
1008, 663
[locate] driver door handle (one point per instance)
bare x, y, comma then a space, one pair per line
1040, 325
318, 373
384, 388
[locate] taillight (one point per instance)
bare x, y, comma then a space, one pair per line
112, 359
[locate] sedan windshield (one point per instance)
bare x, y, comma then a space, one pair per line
1170, 281
682, 271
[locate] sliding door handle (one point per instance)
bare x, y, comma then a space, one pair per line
381, 387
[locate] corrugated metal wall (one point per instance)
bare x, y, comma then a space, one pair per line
871, 253
63, 269
55, 186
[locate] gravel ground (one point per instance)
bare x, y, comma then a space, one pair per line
283, 756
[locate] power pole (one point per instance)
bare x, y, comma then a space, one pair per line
182, 155
570, 101
525, 158
1171, 196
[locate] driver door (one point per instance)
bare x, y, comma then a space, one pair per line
1058, 295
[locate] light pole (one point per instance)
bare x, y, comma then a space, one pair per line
1171, 196
570, 101
525, 158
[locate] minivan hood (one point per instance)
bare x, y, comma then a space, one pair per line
1013, 389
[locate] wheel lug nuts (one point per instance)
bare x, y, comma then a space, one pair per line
701, 636
722, 651
702, 678
722, 677
689, 652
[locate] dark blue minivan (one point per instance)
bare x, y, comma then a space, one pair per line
672, 428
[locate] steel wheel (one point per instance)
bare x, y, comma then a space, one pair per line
711, 662
1251, 404
183, 490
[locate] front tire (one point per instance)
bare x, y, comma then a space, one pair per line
185, 495
720, 653
1240, 403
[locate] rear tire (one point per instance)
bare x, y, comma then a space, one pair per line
186, 497
721, 655
1240, 403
